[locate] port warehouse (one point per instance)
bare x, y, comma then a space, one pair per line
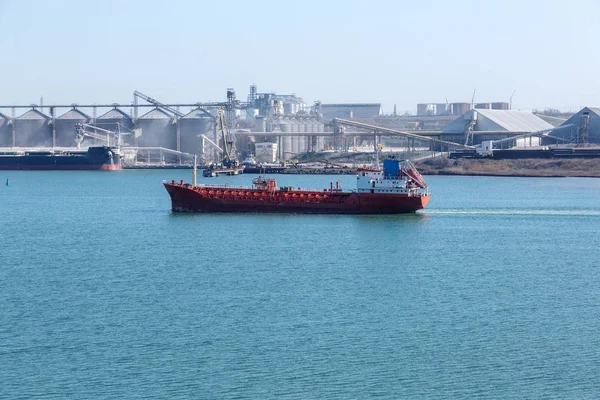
285, 120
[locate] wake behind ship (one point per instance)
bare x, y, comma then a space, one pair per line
398, 188
94, 158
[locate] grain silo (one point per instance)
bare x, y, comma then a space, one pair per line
303, 127
191, 126
286, 139
6, 136
64, 127
33, 129
158, 130
259, 125
117, 121
294, 129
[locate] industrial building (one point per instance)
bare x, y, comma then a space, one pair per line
360, 110
475, 126
266, 152
582, 128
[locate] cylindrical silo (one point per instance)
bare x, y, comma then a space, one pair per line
33, 129
320, 139
460, 108
441, 109
65, 127
117, 121
303, 127
286, 138
158, 130
251, 113
6, 137
192, 126
294, 129
500, 105
259, 125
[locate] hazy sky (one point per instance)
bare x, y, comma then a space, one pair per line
394, 52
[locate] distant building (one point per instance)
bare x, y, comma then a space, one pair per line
495, 123
265, 152
576, 128
360, 110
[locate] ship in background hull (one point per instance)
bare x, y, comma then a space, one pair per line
95, 158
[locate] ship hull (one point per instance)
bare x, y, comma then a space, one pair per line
185, 198
95, 158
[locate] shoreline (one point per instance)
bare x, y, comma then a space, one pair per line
524, 168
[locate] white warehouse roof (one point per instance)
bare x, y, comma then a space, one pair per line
498, 120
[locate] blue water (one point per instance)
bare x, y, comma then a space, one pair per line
492, 292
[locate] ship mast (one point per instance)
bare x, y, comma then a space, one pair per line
376, 143
194, 172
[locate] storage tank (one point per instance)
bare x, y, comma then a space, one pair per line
500, 105
441, 109
425, 109
286, 138
191, 126
33, 129
320, 139
460, 108
251, 113
158, 130
6, 137
288, 108
303, 127
259, 125
482, 106
117, 121
314, 128
294, 129
65, 127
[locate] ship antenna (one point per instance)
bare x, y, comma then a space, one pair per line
376, 152
194, 172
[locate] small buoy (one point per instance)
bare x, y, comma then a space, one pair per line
6, 181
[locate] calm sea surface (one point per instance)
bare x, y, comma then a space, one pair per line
492, 292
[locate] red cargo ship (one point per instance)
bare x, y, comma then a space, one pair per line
398, 188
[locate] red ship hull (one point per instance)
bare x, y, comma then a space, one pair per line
186, 198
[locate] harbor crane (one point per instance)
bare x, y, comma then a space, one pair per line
229, 159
